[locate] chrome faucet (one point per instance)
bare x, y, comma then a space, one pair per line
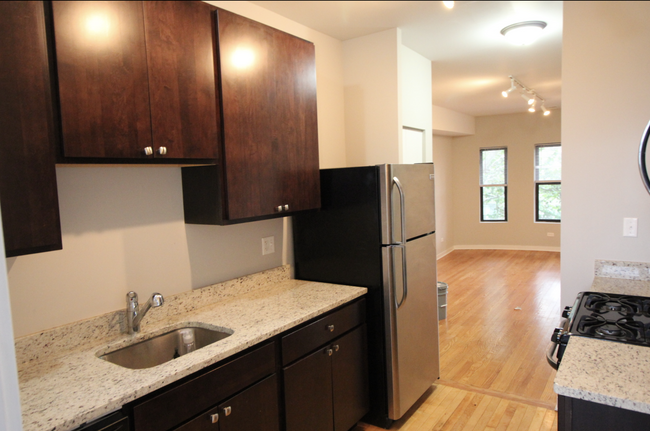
134, 315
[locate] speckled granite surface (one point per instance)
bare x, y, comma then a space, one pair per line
606, 372
609, 372
64, 384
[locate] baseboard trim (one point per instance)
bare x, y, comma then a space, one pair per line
504, 247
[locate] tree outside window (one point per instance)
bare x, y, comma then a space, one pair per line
494, 183
548, 185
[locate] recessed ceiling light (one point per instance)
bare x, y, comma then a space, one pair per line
523, 33
448, 4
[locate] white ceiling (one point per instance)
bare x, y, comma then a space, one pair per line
471, 60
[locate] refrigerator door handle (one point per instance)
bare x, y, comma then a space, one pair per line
402, 243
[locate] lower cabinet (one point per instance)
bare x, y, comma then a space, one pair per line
203, 401
311, 378
256, 408
328, 389
580, 415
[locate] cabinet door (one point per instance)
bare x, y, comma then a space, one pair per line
270, 148
350, 379
103, 84
180, 53
308, 393
28, 193
255, 409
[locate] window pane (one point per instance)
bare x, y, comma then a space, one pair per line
493, 166
549, 202
548, 163
494, 203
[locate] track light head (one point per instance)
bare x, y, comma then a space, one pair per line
512, 88
532, 107
545, 111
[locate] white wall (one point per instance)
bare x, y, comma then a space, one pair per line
10, 417
372, 106
451, 123
605, 94
519, 133
442, 160
123, 227
415, 95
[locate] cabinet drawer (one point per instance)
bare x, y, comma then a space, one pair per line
170, 408
323, 330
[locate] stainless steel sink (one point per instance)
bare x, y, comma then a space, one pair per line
163, 348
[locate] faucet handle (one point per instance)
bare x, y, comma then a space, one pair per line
157, 299
132, 301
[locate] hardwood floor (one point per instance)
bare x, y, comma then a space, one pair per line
502, 308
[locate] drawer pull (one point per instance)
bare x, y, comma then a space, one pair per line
329, 352
227, 411
336, 348
330, 328
214, 418
148, 151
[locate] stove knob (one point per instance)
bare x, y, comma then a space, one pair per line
557, 333
566, 312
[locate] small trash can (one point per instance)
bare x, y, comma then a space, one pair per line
442, 300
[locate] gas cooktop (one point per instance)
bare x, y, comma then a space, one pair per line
609, 316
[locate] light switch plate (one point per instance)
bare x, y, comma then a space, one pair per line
268, 245
630, 227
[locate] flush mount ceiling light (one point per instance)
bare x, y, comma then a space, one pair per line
523, 33
448, 4
527, 94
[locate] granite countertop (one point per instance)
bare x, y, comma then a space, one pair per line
64, 384
608, 372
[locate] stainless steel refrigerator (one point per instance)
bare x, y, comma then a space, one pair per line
376, 229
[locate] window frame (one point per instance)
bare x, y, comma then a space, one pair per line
504, 185
538, 183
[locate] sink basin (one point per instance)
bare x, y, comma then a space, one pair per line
163, 348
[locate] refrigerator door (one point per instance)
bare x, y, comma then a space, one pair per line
413, 361
408, 189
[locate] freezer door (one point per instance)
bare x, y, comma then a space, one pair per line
407, 189
413, 362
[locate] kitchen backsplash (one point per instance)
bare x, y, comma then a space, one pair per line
626, 270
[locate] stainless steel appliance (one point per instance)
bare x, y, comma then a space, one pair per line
606, 316
376, 229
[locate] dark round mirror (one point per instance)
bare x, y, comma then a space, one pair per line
644, 157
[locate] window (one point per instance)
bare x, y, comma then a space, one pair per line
548, 186
494, 184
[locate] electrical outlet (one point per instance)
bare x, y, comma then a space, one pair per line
268, 245
630, 227
550, 233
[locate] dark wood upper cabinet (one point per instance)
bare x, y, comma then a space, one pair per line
180, 53
136, 79
269, 154
28, 193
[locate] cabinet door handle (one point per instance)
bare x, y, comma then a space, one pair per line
227, 410
286, 207
330, 328
162, 151
329, 352
336, 348
148, 151
279, 208
214, 418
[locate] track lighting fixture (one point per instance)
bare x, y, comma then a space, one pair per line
527, 94
512, 88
